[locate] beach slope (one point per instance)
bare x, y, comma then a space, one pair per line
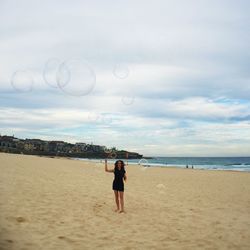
50, 203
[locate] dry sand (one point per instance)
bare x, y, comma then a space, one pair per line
49, 203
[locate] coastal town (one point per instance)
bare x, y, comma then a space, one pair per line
11, 144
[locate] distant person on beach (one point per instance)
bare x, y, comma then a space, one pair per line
118, 185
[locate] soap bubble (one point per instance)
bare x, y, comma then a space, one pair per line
106, 119
128, 100
108, 150
50, 72
143, 164
121, 71
113, 155
76, 77
22, 81
94, 117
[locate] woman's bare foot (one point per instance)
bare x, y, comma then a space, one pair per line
121, 211
116, 210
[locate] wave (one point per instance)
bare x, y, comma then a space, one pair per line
196, 162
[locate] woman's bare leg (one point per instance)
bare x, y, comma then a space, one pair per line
121, 201
116, 200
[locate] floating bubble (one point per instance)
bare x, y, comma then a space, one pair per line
93, 117
50, 72
108, 150
121, 71
143, 164
76, 77
106, 119
22, 81
113, 155
128, 100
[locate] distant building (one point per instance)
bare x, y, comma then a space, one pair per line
7, 141
80, 147
37, 146
33, 144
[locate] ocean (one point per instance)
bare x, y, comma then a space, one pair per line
210, 163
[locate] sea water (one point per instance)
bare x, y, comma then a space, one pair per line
211, 163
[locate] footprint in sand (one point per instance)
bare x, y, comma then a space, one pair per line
10, 241
66, 239
20, 219
97, 207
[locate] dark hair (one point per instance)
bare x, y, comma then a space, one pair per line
116, 164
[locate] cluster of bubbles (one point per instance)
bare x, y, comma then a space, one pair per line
111, 153
121, 71
74, 76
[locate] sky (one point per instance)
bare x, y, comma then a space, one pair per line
161, 78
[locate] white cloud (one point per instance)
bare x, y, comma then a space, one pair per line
187, 86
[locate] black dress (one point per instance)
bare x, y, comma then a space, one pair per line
118, 184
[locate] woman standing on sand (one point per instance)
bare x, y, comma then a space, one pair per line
118, 185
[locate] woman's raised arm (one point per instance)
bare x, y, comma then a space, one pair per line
106, 168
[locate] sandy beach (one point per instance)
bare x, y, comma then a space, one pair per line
50, 203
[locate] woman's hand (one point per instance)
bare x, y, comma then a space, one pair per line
106, 167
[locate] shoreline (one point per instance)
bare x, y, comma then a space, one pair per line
148, 165
157, 165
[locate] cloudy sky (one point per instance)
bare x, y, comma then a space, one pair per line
163, 78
